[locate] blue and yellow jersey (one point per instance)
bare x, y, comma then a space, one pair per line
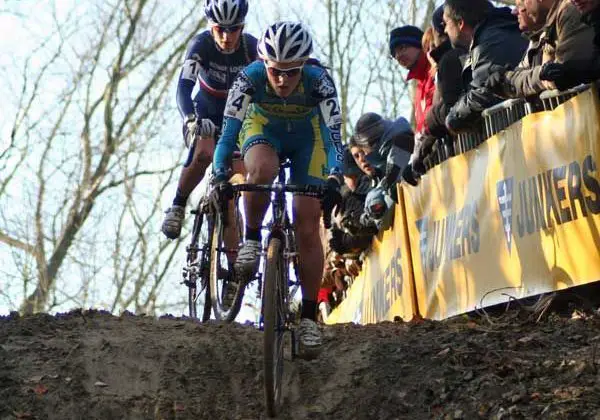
295, 118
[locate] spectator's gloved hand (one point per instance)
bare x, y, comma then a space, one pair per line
332, 199
419, 137
353, 267
410, 176
566, 75
339, 241
499, 84
375, 204
367, 220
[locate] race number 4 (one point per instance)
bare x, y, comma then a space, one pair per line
237, 103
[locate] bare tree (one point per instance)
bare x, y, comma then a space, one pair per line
87, 132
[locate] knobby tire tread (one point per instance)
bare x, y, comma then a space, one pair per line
273, 267
213, 286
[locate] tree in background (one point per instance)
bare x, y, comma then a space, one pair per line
87, 158
93, 137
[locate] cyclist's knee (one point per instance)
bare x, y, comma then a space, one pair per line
262, 164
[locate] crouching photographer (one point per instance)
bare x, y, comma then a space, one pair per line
381, 149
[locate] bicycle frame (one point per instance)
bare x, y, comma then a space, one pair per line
275, 284
280, 226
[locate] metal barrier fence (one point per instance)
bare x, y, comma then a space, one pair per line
504, 114
553, 98
470, 140
494, 120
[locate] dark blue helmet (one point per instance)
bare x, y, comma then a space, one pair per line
226, 12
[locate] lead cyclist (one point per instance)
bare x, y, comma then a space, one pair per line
285, 106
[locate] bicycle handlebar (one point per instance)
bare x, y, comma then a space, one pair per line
315, 191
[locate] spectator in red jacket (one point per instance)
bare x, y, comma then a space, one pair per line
405, 47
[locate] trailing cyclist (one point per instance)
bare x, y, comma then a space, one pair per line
213, 59
285, 107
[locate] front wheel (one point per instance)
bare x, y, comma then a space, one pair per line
274, 324
221, 271
196, 269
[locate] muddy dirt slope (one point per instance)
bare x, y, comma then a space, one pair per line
91, 365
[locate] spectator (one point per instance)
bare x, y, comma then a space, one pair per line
324, 301
405, 47
532, 28
352, 172
573, 72
590, 15
449, 62
532, 31
494, 41
564, 39
385, 148
350, 236
428, 44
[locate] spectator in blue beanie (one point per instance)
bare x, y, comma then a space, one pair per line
405, 47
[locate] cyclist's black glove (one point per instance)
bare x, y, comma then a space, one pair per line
222, 187
332, 200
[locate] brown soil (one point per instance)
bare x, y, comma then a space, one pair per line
91, 365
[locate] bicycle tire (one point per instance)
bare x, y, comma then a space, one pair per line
192, 255
274, 325
201, 274
192, 304
205, 272
218, 264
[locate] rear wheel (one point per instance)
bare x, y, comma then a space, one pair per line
221, 271
274, 324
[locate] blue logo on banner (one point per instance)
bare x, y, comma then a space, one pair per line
504, 191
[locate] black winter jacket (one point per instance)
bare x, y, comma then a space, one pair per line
497, 43
448, 86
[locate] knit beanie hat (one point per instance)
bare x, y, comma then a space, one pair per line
437, 20
405, 35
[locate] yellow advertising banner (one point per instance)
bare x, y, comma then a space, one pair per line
384, 288
518, 216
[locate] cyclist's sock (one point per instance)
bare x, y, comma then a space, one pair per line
180, 199
309, 309
253, 234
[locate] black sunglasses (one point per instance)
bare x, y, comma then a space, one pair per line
227, 29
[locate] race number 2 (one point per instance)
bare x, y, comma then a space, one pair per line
330, 109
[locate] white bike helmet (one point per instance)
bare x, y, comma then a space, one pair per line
226, 12
284, 42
